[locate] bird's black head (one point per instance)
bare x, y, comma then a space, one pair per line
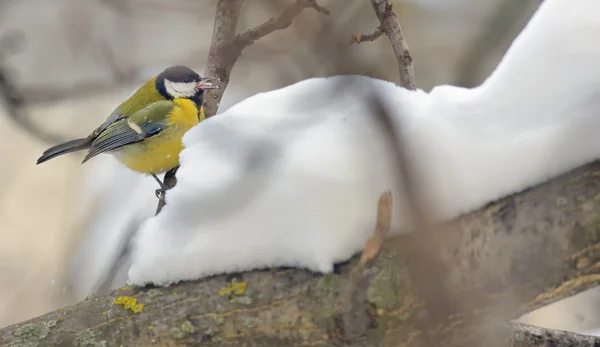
182, 82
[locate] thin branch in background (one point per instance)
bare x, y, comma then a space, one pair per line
226, 46
391, 27
360, 38
10, 96
11, 43
277, 23
14, 104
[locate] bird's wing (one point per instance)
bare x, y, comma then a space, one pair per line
143, 124
114, 116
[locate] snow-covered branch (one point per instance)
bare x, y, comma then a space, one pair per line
503, 261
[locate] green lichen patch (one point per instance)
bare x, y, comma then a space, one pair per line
244, 300
328, 285
30, 335
387, 288
210, 332
250, 322
88, 339
183, 331
152, 293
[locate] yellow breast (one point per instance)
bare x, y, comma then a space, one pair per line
160, 153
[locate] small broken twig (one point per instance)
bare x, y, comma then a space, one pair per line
352, 317
357, 39
382, 229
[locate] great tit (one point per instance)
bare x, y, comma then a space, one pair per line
144, 132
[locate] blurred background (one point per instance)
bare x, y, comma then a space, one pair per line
66, 64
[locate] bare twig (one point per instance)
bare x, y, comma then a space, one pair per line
226, 46
360, 38
391, 27
277, 23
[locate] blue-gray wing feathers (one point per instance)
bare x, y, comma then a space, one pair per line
120, 133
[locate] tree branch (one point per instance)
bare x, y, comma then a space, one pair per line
226, 46
524, 335
515, 255
278, 23
220, 56
391, 27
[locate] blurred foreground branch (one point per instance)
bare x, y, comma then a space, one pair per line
522, 252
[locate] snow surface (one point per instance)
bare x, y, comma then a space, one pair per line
291, 177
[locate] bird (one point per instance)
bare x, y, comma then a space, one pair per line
144, 132
291, 177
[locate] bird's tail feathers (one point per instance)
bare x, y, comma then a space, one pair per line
64, 148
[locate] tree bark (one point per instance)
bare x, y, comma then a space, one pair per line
509, 258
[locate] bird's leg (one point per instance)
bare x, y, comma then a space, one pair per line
160, 192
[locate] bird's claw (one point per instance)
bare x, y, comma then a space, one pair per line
160, 193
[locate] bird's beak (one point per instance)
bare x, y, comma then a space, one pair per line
206, 84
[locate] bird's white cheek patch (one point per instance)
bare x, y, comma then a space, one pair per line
180, 89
